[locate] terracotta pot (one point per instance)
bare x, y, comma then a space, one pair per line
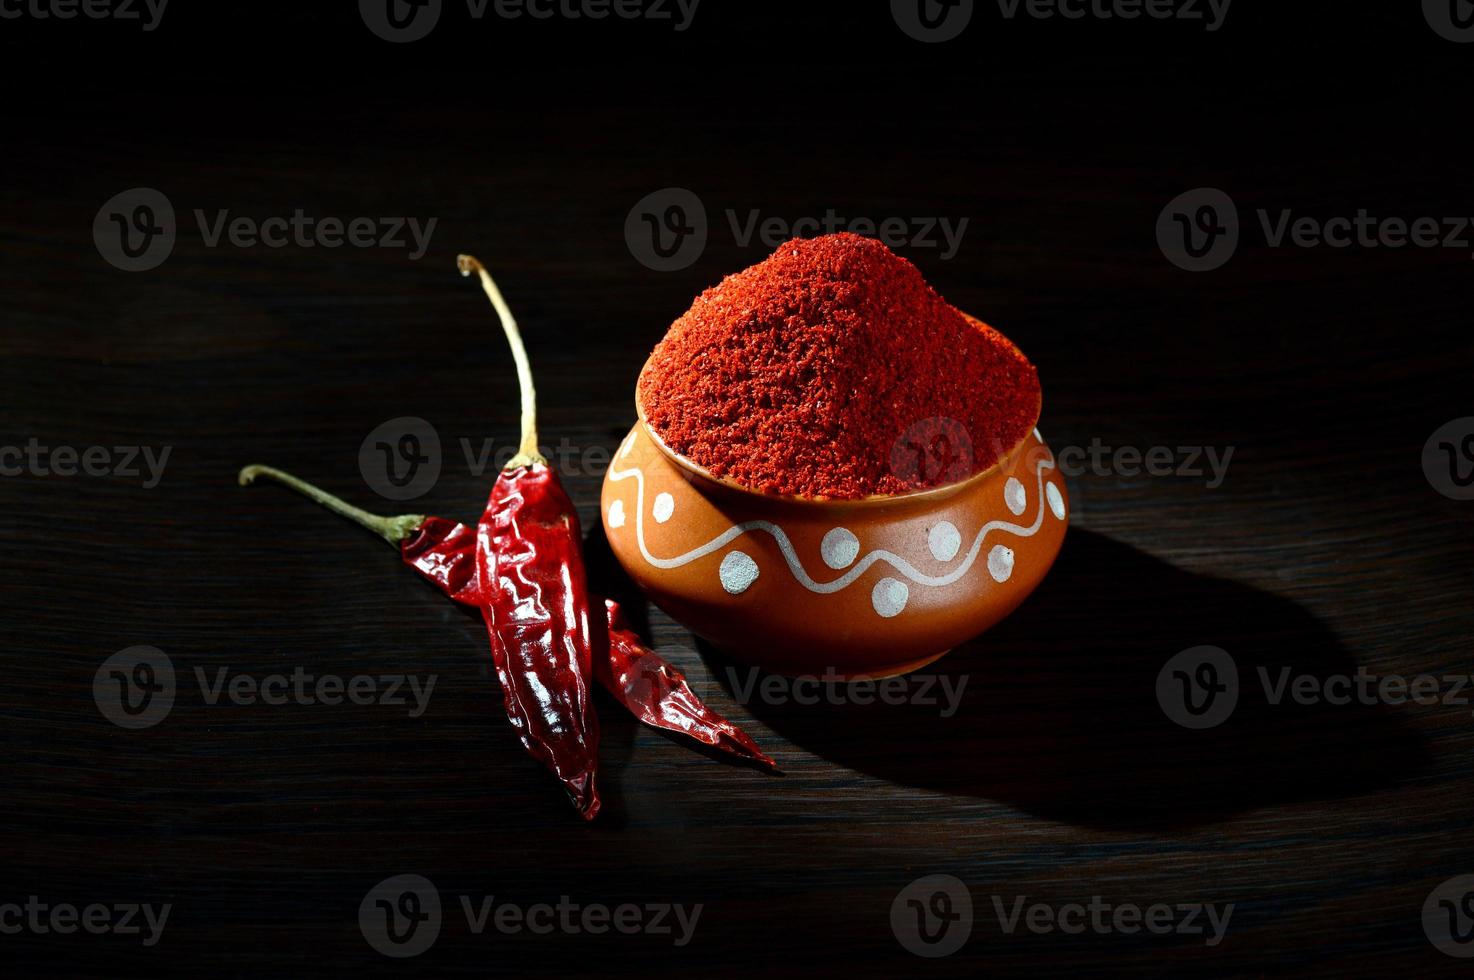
862, 588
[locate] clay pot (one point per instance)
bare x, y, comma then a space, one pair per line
860, 588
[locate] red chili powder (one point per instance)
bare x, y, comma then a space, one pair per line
831, 369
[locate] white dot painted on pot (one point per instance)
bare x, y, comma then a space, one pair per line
738, 572
1056, 501
840, 547
616, 514
1000, 563
1015, 496
889, 597
665, 505
944, 540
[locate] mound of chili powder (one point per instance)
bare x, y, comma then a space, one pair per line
831, 369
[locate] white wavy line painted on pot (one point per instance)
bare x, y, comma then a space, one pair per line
790, 555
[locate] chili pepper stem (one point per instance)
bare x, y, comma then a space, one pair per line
527, 453
392, 529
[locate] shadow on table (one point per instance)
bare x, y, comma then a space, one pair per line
1057, 709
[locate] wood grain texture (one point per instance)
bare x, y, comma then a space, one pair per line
1057, 778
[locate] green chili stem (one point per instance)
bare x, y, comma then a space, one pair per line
392, 529
527, 453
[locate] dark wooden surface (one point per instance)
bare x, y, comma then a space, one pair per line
1058, 779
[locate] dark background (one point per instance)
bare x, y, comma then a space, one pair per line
1060, 778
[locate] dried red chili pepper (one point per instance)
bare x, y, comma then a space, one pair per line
529, 586
652, 689
535, 596
523, 567
536, 604
657, 693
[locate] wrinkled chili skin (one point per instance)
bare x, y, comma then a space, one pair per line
445, 553
637, 677
657, 693
529, 566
